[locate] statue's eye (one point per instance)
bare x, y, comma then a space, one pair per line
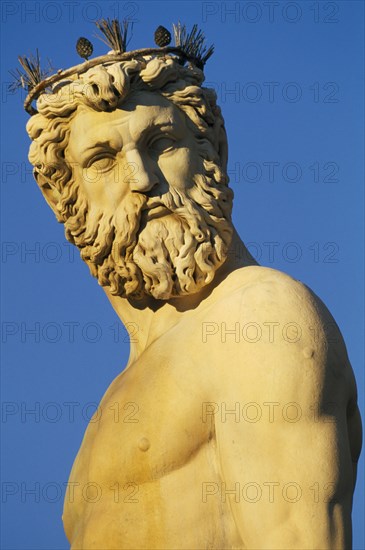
162, 144
101, 163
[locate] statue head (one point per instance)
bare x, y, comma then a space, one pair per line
131, 156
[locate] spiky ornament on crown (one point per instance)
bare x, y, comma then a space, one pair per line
189, 47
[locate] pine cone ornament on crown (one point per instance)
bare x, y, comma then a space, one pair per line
84, 47
162, 36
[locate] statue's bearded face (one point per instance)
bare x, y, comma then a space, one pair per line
156, 208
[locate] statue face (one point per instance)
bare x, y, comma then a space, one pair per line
145, 148
154, 207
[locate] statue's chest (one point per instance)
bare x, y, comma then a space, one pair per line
149, 422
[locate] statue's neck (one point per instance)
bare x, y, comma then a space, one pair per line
147, 320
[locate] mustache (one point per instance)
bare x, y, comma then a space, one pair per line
172, 200
182, 206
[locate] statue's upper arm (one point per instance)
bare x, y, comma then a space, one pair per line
281, 430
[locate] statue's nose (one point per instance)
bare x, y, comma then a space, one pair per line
141, 175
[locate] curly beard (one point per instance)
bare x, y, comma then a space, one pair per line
136, 252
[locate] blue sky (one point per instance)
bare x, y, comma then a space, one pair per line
289, 79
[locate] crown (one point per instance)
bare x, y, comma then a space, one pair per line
189, 47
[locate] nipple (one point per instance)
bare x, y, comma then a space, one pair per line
144, 444
308, 353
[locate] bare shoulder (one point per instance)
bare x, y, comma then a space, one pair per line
267, 291
266, 284
279, 332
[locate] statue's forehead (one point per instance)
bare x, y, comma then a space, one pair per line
141, 111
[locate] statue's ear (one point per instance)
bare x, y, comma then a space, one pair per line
49, 192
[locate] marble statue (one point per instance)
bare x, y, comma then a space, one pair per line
237, 424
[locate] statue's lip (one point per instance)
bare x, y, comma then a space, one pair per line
155, 211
